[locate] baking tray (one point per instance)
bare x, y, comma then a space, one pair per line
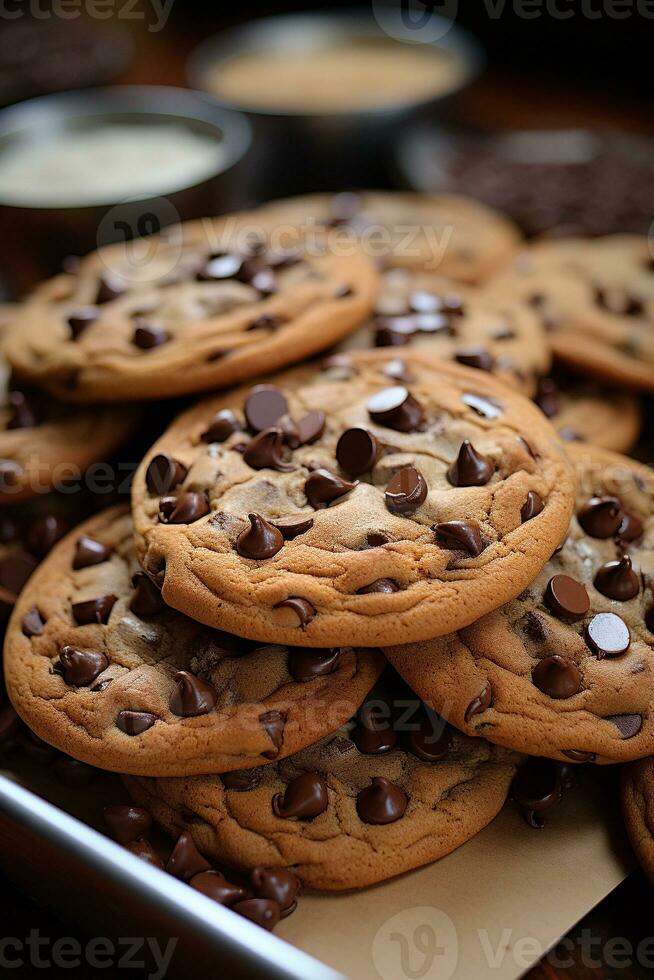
492, 908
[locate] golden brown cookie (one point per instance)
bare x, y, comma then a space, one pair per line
637, 793
359, 807
202, 305
97, 666
566, 669
456, 323
588, 411
455, 236
595, 297
369, 502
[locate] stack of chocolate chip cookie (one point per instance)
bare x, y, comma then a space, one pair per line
346, 601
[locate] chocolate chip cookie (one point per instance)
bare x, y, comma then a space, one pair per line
456, 236
96, 665
361, 806
199, 306
376, 500
457, 323
587, 411
595, 298
566, 669
637, 794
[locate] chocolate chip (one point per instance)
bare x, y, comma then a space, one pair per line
485, 407
93, 610
44, 532
627, 725
617, 580
547, 397
631, 528
221, 427
127, 823
475, 357
566, 597
110, 287
148, 335
431, 740
310, 427
192, 696
292, 527
649, 619
135, 722
532, 507
278, 884
15, 570
537, 787
373, 735
185, 860
395, 408
261, 540
406, 491
10, 474
305, 797
265, 451
323, 487
22, 415
480, 703
385, 336
579, 755
214, 885
262, 911
357, 451
382, 802
33, 623
470, 468
186, 508
273, 723
601, 517
146, 600
459, 536
241, 780
79, 668
384, 586
607, 635
146, 852
81, 319
89, 552
557, 677
264, 406
268, 321
305, 664
164, 473
302, 608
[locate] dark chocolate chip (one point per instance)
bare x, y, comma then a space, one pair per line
617, 580
532, 507
263, 912
566, 597
357, 451
260, 540
382, 802
44, 532
557, 677
222, 426
406, 491
81, 319
373, 735
215, 886
431, 740
384, 586
537, 787
22, 415
649, 619
631, 528
79, 668
305, 797
241, 780
579, 755
33, 623
10, 474
185, 860
305, 664
89, 552
135, 722
607, 635
127, 823
601, 517
264, 407
192, 696
186, 508
459, 536
146, 600
302, 608
310, 427
93, 610
145, 851
547, 397
148, 335
475, 357
278, 884
627, 725
398, 370
273, 723
480, 703
470, 468
395, 408
323, 487
292, 527
265, 451
164, 473
110, 287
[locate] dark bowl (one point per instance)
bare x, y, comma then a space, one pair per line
41, 236
309, 151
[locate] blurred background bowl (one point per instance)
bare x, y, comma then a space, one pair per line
43, 234
298, 150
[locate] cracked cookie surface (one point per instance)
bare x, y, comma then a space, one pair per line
637, 794
596, 300
201, 305
379, 500
456, 236
566, 670
97, 666
456, 323
338, 816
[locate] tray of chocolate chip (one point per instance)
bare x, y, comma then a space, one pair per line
344, 684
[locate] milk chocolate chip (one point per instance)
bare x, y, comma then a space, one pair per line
261, 540
127, 823
264, 406
406, 491
79, 668
89, 552
305, 664
192, 696
93, 610
607, 635
302, 608
146, 600
617, 580
263, 912
357, 451
222, 426
395, 408
566, 597
214, 885
323, 487
265, 451
186, 508
382, 802
164, 473
459, 536
185, 860
601, 517
532, 507
135, 722
305, 797
557, 677
278, 884
470, 468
